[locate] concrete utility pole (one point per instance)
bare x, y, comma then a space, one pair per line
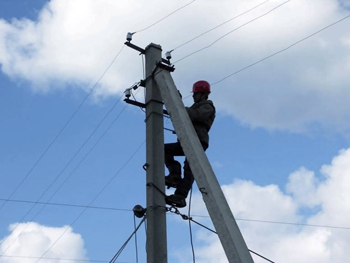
230, 236
160, 88
156, 216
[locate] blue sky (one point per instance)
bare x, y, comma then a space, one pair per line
279, 145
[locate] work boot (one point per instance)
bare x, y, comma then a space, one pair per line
176, 200
172, 180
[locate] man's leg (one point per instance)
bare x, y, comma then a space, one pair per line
186, 183
174, 167
181, 193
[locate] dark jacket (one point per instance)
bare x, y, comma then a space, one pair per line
202, 115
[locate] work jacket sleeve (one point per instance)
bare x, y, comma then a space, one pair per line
200, 113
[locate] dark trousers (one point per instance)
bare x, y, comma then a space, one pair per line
175, 149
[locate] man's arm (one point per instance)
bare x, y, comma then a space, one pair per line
201, 113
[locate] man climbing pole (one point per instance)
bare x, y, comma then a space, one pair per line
202, 115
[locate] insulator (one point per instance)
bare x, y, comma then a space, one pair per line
168, 55
129, 36
127, 93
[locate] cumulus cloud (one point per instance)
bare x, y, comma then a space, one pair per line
29, 241
301, 89
264, 213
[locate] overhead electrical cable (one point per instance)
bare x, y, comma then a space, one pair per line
136, 248
130, 210
251, 251
206, 32
83, 101
185, 217
60, 259
63, 128
61, 172
101, 191
37, 202
190, 227
115, 257
67, 205
164, 17
285, 223
250, 21
282, 50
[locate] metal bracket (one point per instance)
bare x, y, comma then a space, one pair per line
166, 67
142, 105
142, 51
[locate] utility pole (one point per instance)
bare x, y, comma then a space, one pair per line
160, 88
229, 234
156, 214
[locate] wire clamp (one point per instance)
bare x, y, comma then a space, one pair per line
166, 67
145, 166
173, 209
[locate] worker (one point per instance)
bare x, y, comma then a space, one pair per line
202, 115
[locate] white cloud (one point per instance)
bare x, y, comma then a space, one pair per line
302, 185
28, 241
73, 42
315, 200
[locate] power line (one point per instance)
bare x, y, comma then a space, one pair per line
106, 185
176, 211
65, 205
61, 172
190, 227
284, 223
115, 257
295, 224
258, 17
136, 247
165, 17
61, 259
129, 210
63, 128
282, 50
245, 12
34, 204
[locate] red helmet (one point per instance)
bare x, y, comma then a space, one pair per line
201, 86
